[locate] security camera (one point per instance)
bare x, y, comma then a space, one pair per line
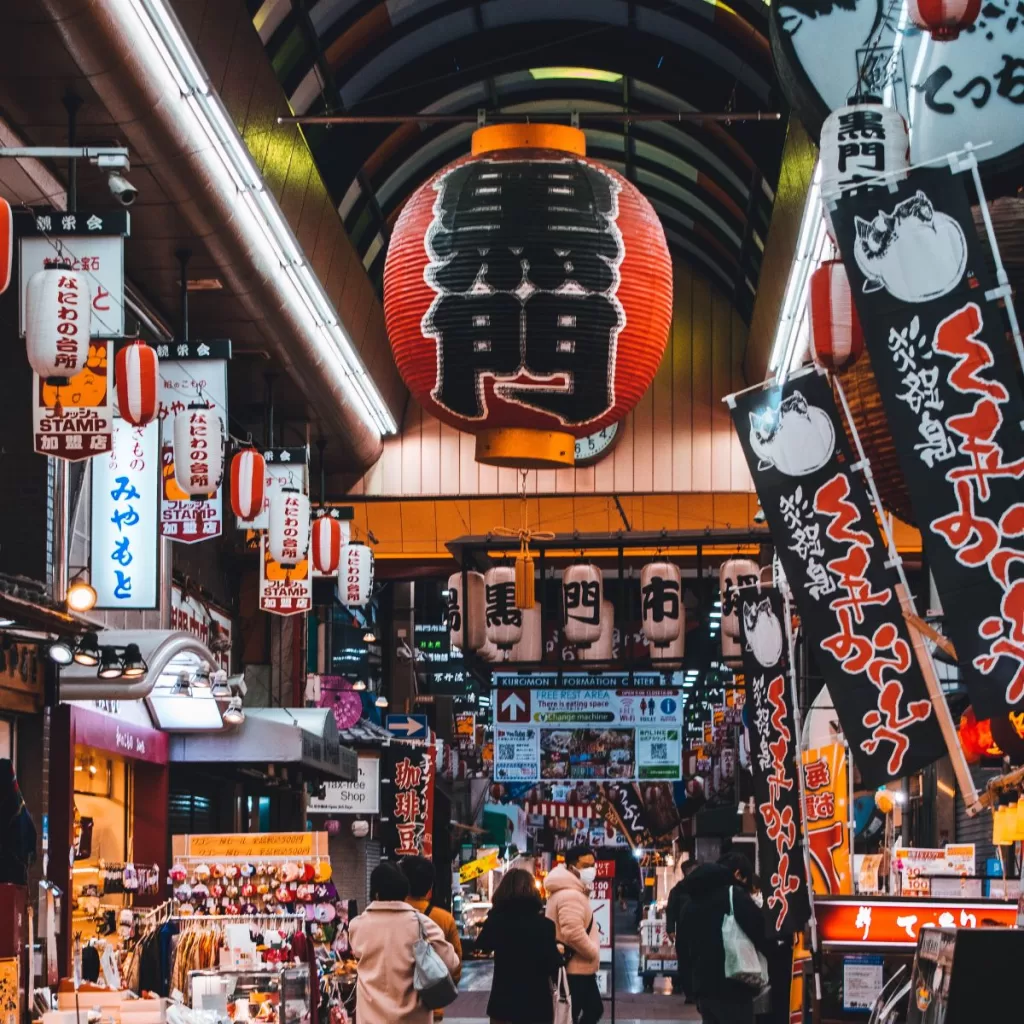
122, 189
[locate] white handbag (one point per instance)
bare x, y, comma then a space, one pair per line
743, 963
563, 1000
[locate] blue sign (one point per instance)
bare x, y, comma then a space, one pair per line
409, 727
668, 705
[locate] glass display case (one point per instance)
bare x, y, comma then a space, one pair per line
258, 995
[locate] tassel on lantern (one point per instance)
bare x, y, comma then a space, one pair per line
525, 596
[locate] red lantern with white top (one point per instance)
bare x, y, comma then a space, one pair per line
328, 538
137, 372
860, 142
355, 575
198, 450
837, 340
58, 319
943, 20
288, 526
248, 484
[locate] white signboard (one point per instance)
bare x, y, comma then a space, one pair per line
359, 797
516, 753
191, 615
659, 752
123, 535
284, 591
204, 378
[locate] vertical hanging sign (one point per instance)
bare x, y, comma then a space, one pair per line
949, 386
123, 529
76, 421
773, 758
831, 549
190, 371
827, 819
407, 800
284, 591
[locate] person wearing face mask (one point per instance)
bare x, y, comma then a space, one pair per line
568, 887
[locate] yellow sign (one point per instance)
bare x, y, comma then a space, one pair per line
253, 845
709, 734
478, 867
9, 998
827, 815
718, 717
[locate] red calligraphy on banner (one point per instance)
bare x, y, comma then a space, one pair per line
856, 652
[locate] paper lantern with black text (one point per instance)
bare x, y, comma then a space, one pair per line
288, 525
355, 575
734, 574
198, 450
529, 647
326, 542
837, 340
465, 615
661, 602
58, 318
248, 484
603, 648
943, 20
137, 373
503, 621
528, 294
582, 596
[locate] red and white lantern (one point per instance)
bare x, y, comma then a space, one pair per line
248, 484
288, 526
860, 142
837, 340
661, 603
582, 596
355, 575
466, 613
6, 245
943, 20
58, 319
198, 450
503, 621
326, 545
137, 371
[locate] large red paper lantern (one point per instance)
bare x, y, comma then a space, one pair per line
326, 545
943, 19
528, 294
837, 340
137, 370
6, 244
248, 484
58, 319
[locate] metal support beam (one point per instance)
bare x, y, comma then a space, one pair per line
534, 116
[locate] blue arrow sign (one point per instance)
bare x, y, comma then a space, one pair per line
410, 727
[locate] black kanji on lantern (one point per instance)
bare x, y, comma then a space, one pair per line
501, 604
661, 599
584, 596
524, 256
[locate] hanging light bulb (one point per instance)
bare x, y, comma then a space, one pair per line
359, 685
134, 664
61, 652
381, 701
110, 664
81, 596
234, 715
87, 651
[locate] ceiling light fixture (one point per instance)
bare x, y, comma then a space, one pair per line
369, 637
359, 685
60, 652
220, 689
213, 121
180, 687
134, 664
110, 664
87, 650
234, 715
381, 701
81, 597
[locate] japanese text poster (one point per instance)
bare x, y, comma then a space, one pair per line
407, 800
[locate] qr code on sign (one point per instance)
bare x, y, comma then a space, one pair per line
506, 751
659, 751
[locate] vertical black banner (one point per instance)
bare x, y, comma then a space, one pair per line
406, 800
774, 753
948, 380
626, 811
832, 553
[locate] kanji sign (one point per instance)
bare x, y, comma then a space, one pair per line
831, 549
123, 528
284, 590
827, 819
773, 748
407, 800
948, 382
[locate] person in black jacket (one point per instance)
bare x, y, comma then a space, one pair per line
677, 903
720, 999
526, 957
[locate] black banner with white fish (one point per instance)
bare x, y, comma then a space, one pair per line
833, 556
774, 751
948, 381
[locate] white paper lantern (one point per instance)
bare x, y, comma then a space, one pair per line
58, 318
603, 647
582, 594
288, 525
670, 659
325, 544
503, 621
661, 603
355, 575
491, 652
198, 450
456, 611
735, 573
360, 828
859, 142
531, 643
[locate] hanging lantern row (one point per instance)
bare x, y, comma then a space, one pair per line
58, 321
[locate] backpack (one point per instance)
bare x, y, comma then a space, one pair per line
431, 977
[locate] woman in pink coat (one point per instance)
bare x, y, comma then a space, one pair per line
382, 939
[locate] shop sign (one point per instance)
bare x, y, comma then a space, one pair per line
76, 421
284, 591
922, 863
773, 748
845, 587
251, 846
826, 818
895, 922
863, 981
587, 734
407, 800
190, 615
359, 797
123, 528
949, 93
117, 736
93, 243
581, 680
949, 384
465, 725
478, 867
190, 371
